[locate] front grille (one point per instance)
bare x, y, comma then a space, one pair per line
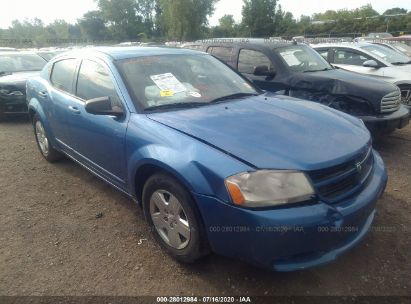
336, 183
391, 102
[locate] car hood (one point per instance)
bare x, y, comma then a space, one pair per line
404, 68
269, 132
17, 80
340, 82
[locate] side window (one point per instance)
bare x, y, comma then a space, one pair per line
94, 81
349, 57
63, 73
323, 53
221, 52
249, 59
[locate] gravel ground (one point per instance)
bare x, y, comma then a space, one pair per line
65, 232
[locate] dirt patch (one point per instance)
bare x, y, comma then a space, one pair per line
65, 232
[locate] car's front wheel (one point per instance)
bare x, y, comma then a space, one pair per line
174, 219
43, 142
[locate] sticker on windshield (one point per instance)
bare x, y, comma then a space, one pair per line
168, 82
166, 93
194, 94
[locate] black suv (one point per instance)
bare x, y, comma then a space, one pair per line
297, 70
15, 69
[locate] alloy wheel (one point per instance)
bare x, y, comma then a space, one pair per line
42, 138
170, 219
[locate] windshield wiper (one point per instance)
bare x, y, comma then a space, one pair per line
401, 62
2, 73
233, 96
320, 70
177, 105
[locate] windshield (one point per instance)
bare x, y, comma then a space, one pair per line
302, 58
386, 54
402, 47
11, 63
181, 80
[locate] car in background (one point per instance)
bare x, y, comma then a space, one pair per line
49, 54
296, 70
379, 35
7, 49
396, 46
15, 69
372, 60
215, 162
406, 39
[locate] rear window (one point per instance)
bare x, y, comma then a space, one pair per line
63, 73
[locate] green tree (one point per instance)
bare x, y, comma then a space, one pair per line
259, 17
121, 17
92, 26
184, 20
226, 27
395, 11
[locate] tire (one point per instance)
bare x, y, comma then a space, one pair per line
43, 142
174, 219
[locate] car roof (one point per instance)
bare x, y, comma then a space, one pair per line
118, 53
18, 53
352, 45
260, 42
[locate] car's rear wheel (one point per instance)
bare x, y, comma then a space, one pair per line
174, 219
43, 142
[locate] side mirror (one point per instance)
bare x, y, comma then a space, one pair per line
263, 70
371, 64
102, 106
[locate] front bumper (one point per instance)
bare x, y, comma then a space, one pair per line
13, 105
288, 239
389, 122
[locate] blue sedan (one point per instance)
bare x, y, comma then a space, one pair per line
217, 164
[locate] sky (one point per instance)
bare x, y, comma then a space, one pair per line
71, 10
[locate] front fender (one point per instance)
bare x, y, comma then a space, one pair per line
199, 167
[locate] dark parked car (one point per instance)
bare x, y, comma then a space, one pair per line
15, 69
216, 163
299, 71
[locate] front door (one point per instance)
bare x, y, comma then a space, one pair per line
248, 60
98, 141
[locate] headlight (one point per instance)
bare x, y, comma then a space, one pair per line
268, 188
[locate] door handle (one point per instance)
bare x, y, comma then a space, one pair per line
43, 94
75, 110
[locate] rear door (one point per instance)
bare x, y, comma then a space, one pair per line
61, 97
